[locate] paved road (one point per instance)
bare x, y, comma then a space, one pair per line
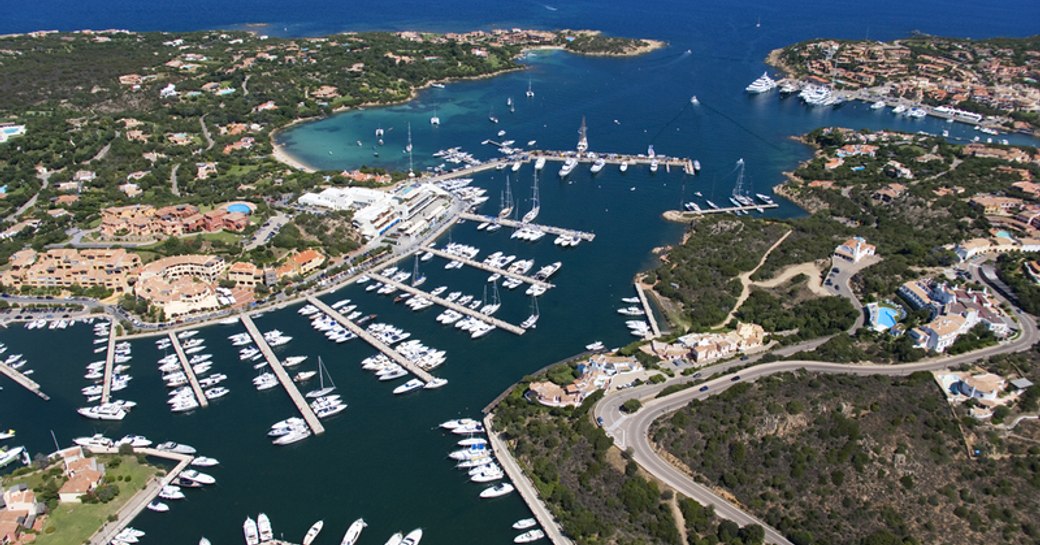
840, 284
633, 431
45, 180
205, 133
173, 180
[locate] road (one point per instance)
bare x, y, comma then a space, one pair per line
205, 133
173, 180
45, 180
840, 284
632, 431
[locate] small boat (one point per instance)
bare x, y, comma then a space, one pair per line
264, 525
158, 506
252, 533
409, 386
413, 537
498, 490
354, 532
313, 532
524, 524
528, 537
203, 461
395, 539
204, 541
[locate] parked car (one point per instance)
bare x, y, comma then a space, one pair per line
735, 378
703, 389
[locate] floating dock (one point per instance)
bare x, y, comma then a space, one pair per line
520, 225
110, 358
617, 158
371, 339
649, 311
486, 267
200, 396
722, 210
464, 310
23, 381
290, 387
140, 501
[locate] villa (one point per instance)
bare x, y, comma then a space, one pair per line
854, 250
83, 474
595, 374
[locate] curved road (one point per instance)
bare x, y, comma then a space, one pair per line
633, 431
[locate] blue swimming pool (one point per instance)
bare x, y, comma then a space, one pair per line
887, 317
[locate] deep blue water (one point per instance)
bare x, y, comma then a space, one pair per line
381, 459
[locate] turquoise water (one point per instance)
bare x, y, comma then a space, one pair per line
887, 317
383, 458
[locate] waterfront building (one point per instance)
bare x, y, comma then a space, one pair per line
82, 474
377, 212
62, 268
181, 285
301, 263
594, 374
245, 274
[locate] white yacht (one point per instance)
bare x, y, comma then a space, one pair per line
10, 455
413, 537
353, 532
395, 539
528, 537
500, 489
879, 105
203, 461
158, 506
624, 166
313, 532
171, 492
597, 166
568, 167
252, 533
761, 85
409, 386
263, 524
524, 524
539, 164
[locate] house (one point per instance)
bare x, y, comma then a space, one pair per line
301, 263
245, 274
992, 205
940, 333
594, 374
83, 474
704, 347
889, 193
205, 170
19, 511
854, 250
131, 189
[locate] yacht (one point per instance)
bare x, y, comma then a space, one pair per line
764, 198
500, 489
252, 533
435, 383
106, 411
879, 105
158, 506
598, 345
322, 390
203, 461
624, 166
597, 166
293, 436
171, 492
413, 537
10, 455
395, 539
568, 167
177, 448
409, 386
539, 164
761, 85
353, 532
197, 476
524, 524
528, 537
653, 165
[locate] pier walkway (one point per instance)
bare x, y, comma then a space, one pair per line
371, 339
722, 210
142, 498
649, 311
617, 158
520, 225
188, 371
23, 381
525, 487
486, 267
464, 310
110, 358
290, 387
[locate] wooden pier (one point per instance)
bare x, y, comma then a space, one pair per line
200, 396
372, 340
649, 311
486, 267
464, 310
140, 501
110, 358
290, 387
520, 225
23, 381
704, 211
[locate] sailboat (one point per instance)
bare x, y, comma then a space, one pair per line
417, 278
509, 102
491, 116
583, 140
507, 201
530, 92
322, 390
408, 149
531, 320
536, 205
739, 196
435, 120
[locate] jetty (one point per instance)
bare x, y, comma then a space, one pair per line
520, 225
110, 358
188, 371
690, 214
290, 387
23, 381
649, 311
140, 501
618, 158
372, 340
486, 267
525, 487
464, 310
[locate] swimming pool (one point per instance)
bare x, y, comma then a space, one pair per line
887, 316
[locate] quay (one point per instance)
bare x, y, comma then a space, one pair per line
617, 158
466, 311
110, 358
128, 512
290, 387
188, 371
371, 339
524, 486
23, 381
649, 311
486, 267
519, 225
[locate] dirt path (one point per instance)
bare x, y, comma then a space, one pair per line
808, 269
745, 280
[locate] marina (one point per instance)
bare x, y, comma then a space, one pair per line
312, 420
485, 267
110, 357
646, 308
501, 324
372, 340
520, 225
189, 372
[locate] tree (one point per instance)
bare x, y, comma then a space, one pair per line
631, 406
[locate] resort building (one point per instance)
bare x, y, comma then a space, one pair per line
181, 285
854, 250
954, 310
145, 222
595, 374
301, 264
704, 347
377, 212
940, 333
245, 274
997, 245
60, 268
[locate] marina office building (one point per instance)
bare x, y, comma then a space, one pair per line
378, 212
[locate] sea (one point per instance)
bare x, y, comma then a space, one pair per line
384, 458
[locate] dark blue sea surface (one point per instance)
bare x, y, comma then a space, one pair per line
383, 458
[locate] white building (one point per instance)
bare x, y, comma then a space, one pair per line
376, 212
854, 249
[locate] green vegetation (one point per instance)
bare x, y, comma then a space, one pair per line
1011, 270
598, 495
853, 460
71, 523
808, 319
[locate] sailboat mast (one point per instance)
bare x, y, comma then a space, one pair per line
411, 171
